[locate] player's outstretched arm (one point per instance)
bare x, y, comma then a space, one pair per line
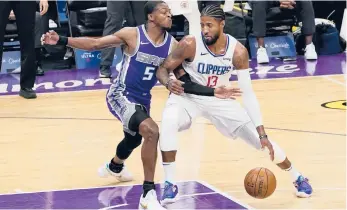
250, 101
115, 40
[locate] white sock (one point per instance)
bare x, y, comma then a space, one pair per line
293, 172
169, 170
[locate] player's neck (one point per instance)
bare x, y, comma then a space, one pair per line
156, 34
220, 46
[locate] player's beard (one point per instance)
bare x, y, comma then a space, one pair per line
212, 41
166, 28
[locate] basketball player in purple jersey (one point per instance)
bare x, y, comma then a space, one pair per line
208, 58
145, 47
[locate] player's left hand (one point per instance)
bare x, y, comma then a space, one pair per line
266, 143
224, 92
175, 86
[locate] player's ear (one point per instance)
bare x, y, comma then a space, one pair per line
222, 23
150, 17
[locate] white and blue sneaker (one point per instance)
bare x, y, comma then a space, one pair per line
123, 176
170, 194
150, 202
303, 187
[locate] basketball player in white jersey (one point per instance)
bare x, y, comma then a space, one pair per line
208, 58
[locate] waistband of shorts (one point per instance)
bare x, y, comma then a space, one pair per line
129, 91
131, 96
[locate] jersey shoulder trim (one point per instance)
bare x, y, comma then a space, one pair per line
137, 43
149, 39
214, 55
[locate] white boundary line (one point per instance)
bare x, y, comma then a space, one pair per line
335, 81
197, 194
114, 206
225, 195
19, 191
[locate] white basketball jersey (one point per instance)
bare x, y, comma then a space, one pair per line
209, 69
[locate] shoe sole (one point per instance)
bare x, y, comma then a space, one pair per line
104, 76
33, 97
168, 201
103, 174
303, 195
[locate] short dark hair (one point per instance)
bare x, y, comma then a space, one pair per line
150, 6
213, 10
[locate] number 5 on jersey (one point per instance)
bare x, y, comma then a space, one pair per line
212, 81
149, 72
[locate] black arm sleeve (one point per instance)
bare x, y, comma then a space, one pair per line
194, 88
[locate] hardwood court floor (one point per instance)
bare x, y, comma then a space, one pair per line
59, 141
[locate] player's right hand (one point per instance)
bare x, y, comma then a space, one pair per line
175, 86
50, 38
265, 143
224, 92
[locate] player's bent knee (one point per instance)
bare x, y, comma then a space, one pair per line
149, 130
168, 134
168, 142
175, 119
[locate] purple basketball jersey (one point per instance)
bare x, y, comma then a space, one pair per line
137, 77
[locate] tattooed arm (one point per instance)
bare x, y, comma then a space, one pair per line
185, 49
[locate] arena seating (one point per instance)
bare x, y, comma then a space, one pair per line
11, 36
277, 21
86, 18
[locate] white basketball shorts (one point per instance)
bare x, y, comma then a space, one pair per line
227, 115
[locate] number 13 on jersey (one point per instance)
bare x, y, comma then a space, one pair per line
212, 81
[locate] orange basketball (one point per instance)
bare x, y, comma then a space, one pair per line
260, 183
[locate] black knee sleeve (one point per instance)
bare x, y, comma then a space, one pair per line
138, 117
127, 145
